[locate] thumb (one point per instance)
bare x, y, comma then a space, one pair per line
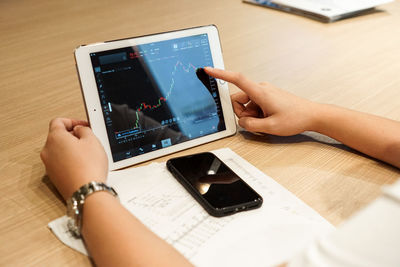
264, 125
82, 131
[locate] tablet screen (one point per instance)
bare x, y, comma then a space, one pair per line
152, 97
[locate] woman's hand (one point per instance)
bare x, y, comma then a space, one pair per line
268, 109
73, 156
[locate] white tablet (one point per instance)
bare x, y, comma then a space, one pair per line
145, 96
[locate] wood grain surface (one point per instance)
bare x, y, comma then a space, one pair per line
354, 63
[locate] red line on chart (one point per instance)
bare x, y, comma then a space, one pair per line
144, 106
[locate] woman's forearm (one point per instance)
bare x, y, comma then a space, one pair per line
114, 237
372, 135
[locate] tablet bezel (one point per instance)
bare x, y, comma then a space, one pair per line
92, 100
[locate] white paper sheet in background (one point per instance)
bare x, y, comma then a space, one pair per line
332, 8
265, 236
325, 10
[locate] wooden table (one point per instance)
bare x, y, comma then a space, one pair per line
353, 63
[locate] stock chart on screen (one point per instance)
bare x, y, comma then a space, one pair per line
152, 96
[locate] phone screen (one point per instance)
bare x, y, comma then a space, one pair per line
208, 178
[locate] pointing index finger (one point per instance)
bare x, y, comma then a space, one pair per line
238, 79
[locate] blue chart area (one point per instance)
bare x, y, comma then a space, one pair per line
161, 101
173, 67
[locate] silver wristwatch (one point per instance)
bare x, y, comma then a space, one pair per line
75, 204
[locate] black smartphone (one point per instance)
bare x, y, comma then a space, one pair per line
213, 184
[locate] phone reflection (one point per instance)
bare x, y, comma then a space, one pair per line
214, 176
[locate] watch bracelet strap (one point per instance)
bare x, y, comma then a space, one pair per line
78, 200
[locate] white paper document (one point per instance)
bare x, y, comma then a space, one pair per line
261, 237
324, 10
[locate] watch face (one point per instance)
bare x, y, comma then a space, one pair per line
73, 216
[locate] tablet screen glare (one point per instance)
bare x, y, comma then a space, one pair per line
152, 98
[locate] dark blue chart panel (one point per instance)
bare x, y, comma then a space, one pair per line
152, 97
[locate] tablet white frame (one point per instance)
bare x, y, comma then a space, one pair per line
92, 100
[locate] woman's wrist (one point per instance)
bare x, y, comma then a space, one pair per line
101, 199
318, 116
327, 117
